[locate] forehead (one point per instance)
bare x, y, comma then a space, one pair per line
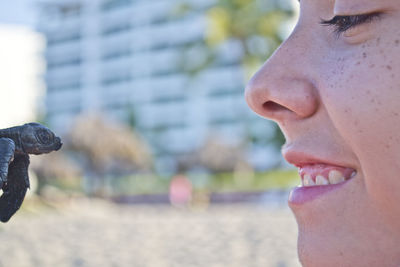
349, 7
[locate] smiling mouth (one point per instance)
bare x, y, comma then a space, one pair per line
324, 175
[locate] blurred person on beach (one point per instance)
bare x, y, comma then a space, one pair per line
180, 191
334, 89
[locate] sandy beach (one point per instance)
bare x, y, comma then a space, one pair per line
98, 233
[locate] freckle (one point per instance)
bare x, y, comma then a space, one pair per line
372, 100
358, 63
372, 66
364, 55
381, 51
368, 92
387, 146
396, 114
397, 42
356, 122
389, 67
392, 75
378, 40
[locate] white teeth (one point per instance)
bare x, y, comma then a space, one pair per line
307, 180
336, 177
321, 180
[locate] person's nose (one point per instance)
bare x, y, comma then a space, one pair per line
284, 88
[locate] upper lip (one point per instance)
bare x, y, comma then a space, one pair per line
303, 157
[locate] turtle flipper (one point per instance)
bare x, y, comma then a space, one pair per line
7, 149
15, 189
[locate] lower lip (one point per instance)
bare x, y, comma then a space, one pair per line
303, 194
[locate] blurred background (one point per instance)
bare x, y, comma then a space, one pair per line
163, 163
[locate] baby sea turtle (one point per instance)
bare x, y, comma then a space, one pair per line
15, 145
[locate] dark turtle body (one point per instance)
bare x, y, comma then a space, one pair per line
15, 145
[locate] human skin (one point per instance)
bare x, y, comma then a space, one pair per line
336, 98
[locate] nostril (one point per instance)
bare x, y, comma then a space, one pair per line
273, 106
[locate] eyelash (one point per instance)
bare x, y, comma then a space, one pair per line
344, 23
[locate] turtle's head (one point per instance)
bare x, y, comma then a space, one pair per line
37, 139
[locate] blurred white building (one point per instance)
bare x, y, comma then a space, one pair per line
125, 58
21, 68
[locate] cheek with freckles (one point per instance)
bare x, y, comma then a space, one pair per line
362, 99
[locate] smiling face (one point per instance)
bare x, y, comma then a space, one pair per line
334, 89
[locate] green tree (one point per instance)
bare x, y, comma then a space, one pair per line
258, 25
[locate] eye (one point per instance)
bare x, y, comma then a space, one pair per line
345, 23
44, 137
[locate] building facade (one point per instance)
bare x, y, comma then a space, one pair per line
139, 62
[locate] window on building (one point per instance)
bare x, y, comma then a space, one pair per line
71, 85
113, 4
115, 29
66, 37
70, 10
169, 99
226, 92
113, 54
115, 78
69, 62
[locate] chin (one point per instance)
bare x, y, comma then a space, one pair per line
330, 248
313, 253
317, 251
